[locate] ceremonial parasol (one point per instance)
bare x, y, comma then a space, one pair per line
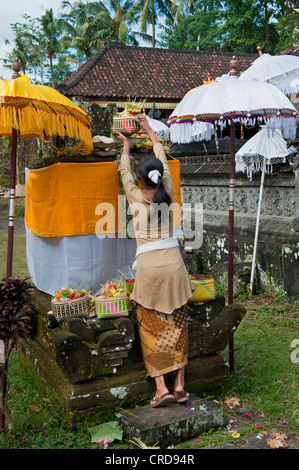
264, 149
227, 102
161, 129
281, 71
28, 110
200, 130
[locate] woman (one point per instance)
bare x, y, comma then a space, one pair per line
162, 285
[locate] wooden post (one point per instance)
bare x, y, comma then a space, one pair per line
16, 66
233, 72
11, 214
10, 233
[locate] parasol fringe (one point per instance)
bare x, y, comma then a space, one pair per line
181, 132
59, 121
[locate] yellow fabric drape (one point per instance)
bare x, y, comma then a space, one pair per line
61, 199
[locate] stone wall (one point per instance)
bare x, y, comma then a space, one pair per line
205, 180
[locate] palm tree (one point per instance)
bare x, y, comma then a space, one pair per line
50, 29
89, 26
149, 13
179, 5
82, 28
28, 45
120, 15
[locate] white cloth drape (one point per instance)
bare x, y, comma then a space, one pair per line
80, 261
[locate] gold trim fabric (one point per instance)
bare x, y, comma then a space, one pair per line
164, 339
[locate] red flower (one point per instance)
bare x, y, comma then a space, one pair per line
248, 415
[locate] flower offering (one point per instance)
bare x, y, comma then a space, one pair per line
69, 293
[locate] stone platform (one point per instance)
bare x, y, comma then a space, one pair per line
171, 424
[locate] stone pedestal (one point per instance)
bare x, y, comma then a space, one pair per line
172, 424
92, 362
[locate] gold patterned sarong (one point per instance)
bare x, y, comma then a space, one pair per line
164, 339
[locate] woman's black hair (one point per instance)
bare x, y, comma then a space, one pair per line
147, 164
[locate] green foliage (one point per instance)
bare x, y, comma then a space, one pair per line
18, 320
17, 312
4, 181
150, 12
198, 30
232, 26
5, 142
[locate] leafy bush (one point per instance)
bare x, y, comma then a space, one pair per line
18, 320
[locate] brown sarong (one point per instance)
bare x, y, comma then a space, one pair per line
164, 339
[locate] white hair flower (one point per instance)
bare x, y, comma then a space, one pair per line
154, 176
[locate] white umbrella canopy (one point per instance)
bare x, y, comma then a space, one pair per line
268, 145
263, 150
161, 129
245, 101
282, 71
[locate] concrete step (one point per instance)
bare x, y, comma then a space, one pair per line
172, 424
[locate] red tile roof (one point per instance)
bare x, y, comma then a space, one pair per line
118, 72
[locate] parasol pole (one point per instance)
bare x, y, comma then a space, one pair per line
232, 72
12, 192
231, 234
231, 213
257, 226
10, 233
11, 214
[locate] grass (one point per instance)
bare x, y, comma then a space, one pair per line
265, 379
265, 374
19, 248
19, 266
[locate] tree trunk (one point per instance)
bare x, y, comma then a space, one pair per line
153, 24
52, 72
267, 27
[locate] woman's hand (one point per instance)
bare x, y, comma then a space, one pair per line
124, 139
145, 128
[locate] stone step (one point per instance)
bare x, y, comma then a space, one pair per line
171, 424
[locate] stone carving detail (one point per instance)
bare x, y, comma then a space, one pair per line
223, 199
253, 197
212, 199
289, 203
240, 200
273, 202
277, 201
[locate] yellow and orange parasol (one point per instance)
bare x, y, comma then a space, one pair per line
28, 110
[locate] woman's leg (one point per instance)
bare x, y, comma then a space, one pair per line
179, 382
